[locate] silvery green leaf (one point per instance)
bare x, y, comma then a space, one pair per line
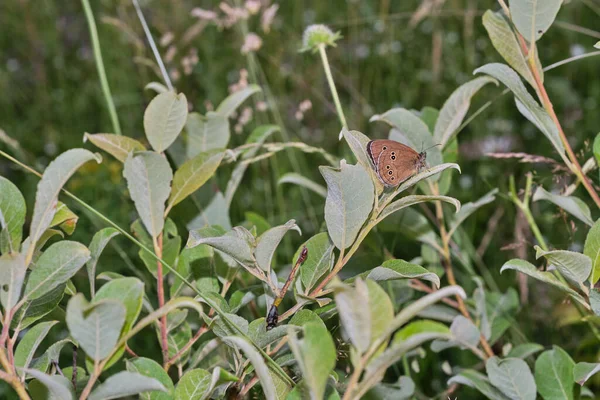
480, 305
500, 310
152, 369
382, 309
439, 312
512, 377
259, 335
404, 389
97, 246
56, 266
592, 250
408, 201
571, 204
222, 327
12, 216
176, 341
258, 136
455, 108
355, 314
193, 174
358, 144
164, 119
233, 101
29, 343
349, 202
575, 267
52, 354
526, 104
469, 208
234, 243
546, 277
597, 45
206, 133
33, 310
584, 371
12, 274
157, 87
318, 261
316, 356
533, 17
410, 130
417, 327
297, 179
55, 176
118, 146
149, 177
58, 387
424, 174
400, 269
215, 213
525, 350
504, 40
554, 374
96, 327
258, 362
193, 385
464, 333
474, 379
267, 243
124, 384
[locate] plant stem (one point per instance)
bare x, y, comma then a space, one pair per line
164, 343
161, 65
334, 92
100, 66
11, 378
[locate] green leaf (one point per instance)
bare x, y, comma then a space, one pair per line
554, 374
96, 326
546, 277
355, 313
259, 335
38, 308
12, 274
464, 334
571, 204
505, 42
267, 243
55, 176
152, 369
408, 201
400, 269
512, 376
481, 308
193, 174
262, 370
193, 385
526, 104
316, 356
52, 354
584, 371
233, 101
592, 250
206, 133
469, 208
319, 259
500, 310
304, 317
149, 177
29, 344
12, 216
129, 292
97, 246
234, 243
297, 179
418, 327
525, 350
404, 389
455, 108
124, 384
474, 379
215, 213
532, 17
382, 309
349, 202
597, 45
575, 267
164, 119
594, 297
229, 326
426, 173
118, 146
58, 387
358, 144
412, 131
171, 248
177, 339
56, 266
64, 218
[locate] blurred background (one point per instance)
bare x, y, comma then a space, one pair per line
408, 53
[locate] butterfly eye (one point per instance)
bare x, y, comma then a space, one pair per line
390, 173
393, 157
385, 147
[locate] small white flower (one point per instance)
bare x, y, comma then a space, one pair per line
252, 42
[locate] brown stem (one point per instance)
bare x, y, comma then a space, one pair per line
130, 352
248, 386
158, 248
11, 378
185, 348
421, 287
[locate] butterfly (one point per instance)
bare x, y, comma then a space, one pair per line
394, 162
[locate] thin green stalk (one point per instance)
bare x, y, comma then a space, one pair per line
100, 65
334, 92
161, 65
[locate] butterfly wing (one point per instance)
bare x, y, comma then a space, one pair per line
394, 162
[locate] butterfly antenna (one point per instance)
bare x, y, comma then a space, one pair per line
439, 144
